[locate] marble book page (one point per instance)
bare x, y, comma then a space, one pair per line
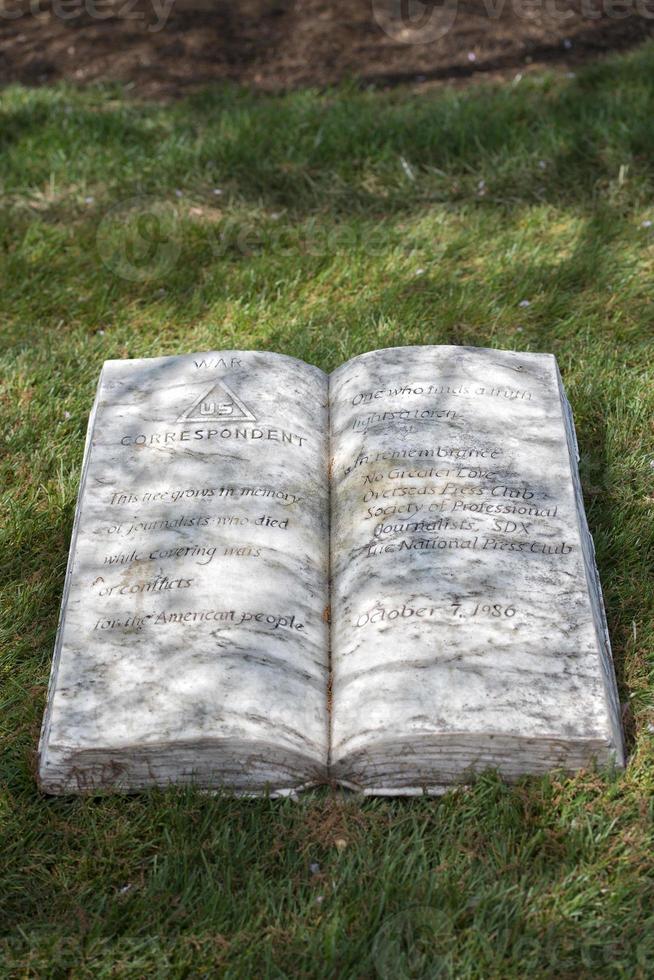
468, 628
193, 642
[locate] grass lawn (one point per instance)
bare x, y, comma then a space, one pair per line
346, 221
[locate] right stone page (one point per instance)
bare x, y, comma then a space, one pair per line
468, 630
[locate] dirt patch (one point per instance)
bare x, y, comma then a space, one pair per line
275, 45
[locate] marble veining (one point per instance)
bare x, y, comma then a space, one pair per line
468, 628
428, 496
193, 644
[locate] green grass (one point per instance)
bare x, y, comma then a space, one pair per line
347, 221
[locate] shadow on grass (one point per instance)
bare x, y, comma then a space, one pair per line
315, 150
234, 880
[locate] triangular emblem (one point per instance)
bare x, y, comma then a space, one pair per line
218, 404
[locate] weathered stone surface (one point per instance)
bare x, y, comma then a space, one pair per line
467, 622
193, 644
468, 628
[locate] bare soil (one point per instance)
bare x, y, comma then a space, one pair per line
276, 45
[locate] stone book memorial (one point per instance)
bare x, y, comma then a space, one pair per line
382, 578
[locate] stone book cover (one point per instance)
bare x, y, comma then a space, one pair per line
380, 578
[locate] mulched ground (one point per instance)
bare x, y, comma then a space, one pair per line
281, 44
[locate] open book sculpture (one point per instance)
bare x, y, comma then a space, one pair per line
381, 578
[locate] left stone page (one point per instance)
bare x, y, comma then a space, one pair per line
193, 645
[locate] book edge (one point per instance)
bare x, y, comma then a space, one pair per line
72, 549
593, 579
